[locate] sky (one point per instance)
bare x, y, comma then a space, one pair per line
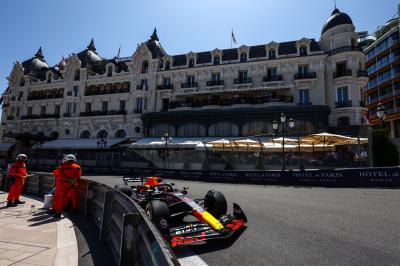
65, 27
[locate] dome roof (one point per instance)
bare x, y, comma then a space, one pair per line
89, 56
36, 64
337, 18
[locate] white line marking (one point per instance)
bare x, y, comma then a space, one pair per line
187, 257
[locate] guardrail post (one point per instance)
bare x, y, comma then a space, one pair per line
129, 238
106, 212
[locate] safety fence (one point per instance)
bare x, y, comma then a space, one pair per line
122, 224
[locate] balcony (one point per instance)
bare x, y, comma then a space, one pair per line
189, 85
243, 81
142, 87
43, 97
46, 116
104, 91
10, 117
344, 49
231, 101
215, 83
102, 113
362, 73
67, 114
344, 73
165, 87
309, 75
343, 104
272, 78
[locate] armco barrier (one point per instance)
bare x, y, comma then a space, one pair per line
130, 235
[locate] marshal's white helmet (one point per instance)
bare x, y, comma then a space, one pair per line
22, 157
69, 157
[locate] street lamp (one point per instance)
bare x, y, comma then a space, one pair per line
275, 125
381, 113
101, 144
165, 138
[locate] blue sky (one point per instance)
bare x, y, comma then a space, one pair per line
64, 27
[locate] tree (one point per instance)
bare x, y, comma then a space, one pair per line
385, 152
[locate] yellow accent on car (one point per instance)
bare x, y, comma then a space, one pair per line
214, 223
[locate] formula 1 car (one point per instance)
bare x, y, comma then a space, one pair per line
181, 220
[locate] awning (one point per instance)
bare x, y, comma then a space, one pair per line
80, 143
6, 146
175, 143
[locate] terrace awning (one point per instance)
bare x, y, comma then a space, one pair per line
81, 143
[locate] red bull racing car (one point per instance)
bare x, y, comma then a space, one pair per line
182, 220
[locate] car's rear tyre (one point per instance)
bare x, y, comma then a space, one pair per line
158, 212
215, 203
124, 189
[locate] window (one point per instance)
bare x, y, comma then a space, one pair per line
243, 57
242, 76
190, 81
88, 107
85, 134
343, 121
145, 67
29, 111
167, 81
109, 71
272, 54
139, 105
303, 50
304, 96
341, 68
143, 83
167, 65
20, 94
22, 82
102, 134
303, 70
216, 77
216, 60
43, 110
17, 113
75, 90
165, 104
77, 75
57, 110
120, 133
49, 78
271, 73
73, 108
122, 105
342, 94
104, 107
145, 104
12, 110
69, 108
191, 62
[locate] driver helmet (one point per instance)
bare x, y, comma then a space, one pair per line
153, 181
22, 157
69, 157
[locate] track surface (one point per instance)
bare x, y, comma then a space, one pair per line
304, 226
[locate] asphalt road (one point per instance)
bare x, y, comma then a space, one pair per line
304, 226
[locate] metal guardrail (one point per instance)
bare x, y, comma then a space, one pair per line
130, 235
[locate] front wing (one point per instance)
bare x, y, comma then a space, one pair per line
201, 232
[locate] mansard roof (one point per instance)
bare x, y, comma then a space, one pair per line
89, 56
154, 45
36, 66
337, 18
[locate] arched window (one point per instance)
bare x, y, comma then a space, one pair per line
191, 62
272, 54
145, 67
49, 78
167, 65
160, 64
216, 60
243, 57
77, 75
120, 133
54, 135
109, 71
343, 121
22, 82
85, 134
303, 50
102, 134
223, 129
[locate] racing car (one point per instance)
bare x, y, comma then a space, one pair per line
181, 220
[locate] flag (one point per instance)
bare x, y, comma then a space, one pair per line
233, 37
367, 117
